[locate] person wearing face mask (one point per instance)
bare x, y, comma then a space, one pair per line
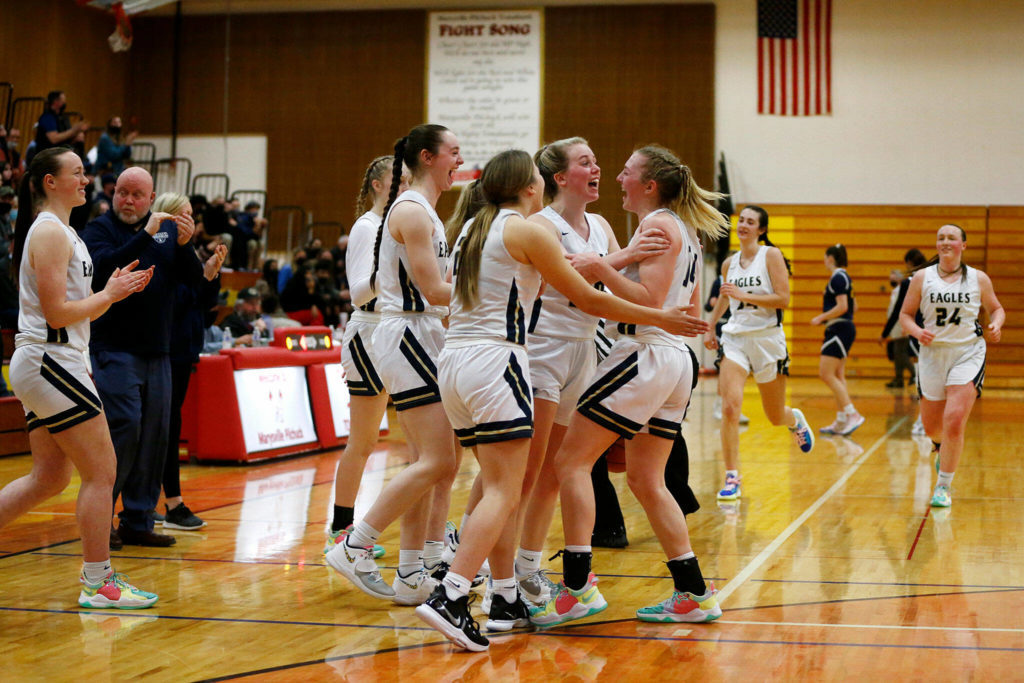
8, 292
53, 128
112, 149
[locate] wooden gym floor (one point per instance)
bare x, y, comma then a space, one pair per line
832, 567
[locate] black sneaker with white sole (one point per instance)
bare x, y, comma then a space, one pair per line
452, 619
439, 570
180, 517
505, 616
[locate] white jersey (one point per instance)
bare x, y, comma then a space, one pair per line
396, 292
754, 279
553, 314
506, 290
684, 279
950, 309
32, 327
359, 264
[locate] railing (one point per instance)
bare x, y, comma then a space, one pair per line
291, 218
327, 232
144, 155
23, 114
172, 175
211, 185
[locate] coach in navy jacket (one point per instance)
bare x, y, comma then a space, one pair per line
131, 343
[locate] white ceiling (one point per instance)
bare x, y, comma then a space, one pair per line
258, 6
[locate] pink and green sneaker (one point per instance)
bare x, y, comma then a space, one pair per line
568, 604
683, 607
336, 537
114, 592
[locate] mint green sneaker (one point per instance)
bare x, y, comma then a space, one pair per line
941, 498
336, 537
114, 592
683, 607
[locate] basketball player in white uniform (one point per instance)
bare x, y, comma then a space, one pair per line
755, 288
951, 369
640, 392
411, 258
50, 373
561, 338
368, 400
498, 261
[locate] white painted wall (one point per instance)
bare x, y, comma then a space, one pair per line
242, 157
928, 108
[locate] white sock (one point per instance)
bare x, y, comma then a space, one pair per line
456, 586
732, 473
448, 555
409, 562
945, 479
432, 551
95, 572
684, 556
363, 536
506, 588
579, 548
527, 562
849, 409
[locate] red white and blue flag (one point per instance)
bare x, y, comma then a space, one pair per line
794, 57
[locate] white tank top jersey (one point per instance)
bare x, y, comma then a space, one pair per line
506, 290
950, 309
553, 315
684, 279
32, 327
396, 292
754, 279
359, 263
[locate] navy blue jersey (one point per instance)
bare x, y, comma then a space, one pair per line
838, 284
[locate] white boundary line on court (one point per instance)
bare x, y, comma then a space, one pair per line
770, 549
874, 626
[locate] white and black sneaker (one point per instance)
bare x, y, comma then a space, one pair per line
505, 616
452, 619
439, 570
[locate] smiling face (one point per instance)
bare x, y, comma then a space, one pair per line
950, 244
636, 192
68, 186
445, 162
582, 175
749, 226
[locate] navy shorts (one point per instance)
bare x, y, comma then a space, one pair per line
839, 337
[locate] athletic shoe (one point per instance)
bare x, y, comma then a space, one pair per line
802, 432
157, 517
744, 420
683, 607
837, 426
895, 384
415, 589
114, 591
485, 604
335, 537
438, 571
731, 490
357, 565
452, 619
505, 616
451, 536
536, 587
918, 428
180, 517
941, 498
852, 422
609, 538
568, 604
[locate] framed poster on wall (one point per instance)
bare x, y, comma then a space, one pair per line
274, 407
485, 81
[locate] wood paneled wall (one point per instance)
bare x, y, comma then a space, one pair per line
876, 239
55, 45
332, 90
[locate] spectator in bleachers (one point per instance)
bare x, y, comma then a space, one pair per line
247, 233
53, 128
218, 221
8, 292
272, 315
80, 215
6, 174
289, 269
270, 274
130, 346
107, 182
244, 322
113, 149
192, 304
334, 300
300, 298
9, 152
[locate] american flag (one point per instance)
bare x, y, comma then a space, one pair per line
794, 57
